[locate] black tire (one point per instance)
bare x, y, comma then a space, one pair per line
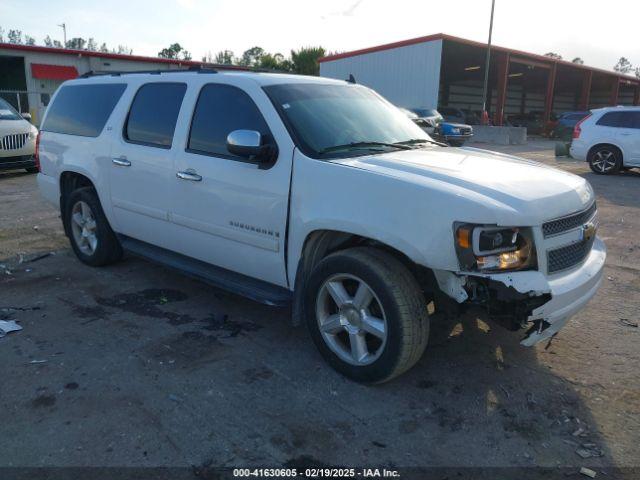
108, 249
32, 169
605, 160
402, 302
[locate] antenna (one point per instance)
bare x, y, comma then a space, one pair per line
64, 31
351, 78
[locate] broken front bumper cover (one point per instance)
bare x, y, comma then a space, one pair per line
570, 292
528, 298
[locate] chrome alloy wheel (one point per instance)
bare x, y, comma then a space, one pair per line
604, 160
351, 319
83, 227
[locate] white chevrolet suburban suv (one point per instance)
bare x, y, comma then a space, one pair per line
320, 194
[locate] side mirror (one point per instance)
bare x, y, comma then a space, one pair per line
26, 116
245, 143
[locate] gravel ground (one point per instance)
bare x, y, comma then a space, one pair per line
135, 365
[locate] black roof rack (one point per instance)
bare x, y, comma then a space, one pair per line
193, 68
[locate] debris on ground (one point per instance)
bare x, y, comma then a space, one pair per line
35, 362
588, 472
589, 450
628, 323
39, 257
8, 326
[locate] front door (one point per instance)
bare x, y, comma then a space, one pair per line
232, 212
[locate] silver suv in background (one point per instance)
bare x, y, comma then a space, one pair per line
609, 139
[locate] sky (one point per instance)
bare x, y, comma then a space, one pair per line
599, 32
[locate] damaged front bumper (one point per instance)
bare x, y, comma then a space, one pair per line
529, 299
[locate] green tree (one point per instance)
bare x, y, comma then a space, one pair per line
15, 36
623, 66
305, 60
1, 35
29, 40
76, 43
223, 57
578, 60
92, 46
104, 48
555, 56
251, 57
123, 50
275, 61
48, 42
174, 50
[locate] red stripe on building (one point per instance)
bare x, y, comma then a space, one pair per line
53, 72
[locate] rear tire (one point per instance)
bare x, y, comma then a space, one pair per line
380, 327
605, 160
90, 234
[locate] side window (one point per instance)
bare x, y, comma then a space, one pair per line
154, 113
83, 109
617, 119
635, 123
220, 110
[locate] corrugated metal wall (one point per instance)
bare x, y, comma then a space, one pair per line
407, 76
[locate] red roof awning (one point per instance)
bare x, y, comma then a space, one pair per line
53, 72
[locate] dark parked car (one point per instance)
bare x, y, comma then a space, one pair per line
565, 124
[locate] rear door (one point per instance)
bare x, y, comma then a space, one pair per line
633, 138
142, 167
231, 212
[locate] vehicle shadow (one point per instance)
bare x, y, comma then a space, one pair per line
5, 174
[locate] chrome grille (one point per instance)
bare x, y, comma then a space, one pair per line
555, 227
568, 256
15, 141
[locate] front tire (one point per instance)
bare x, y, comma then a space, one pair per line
92, 239
605, 160
366, 314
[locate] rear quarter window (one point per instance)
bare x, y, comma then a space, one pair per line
616, 119
83, 110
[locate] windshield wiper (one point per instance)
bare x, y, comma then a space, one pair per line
346, 146
415, 141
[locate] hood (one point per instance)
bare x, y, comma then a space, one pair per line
8, 127
516, 191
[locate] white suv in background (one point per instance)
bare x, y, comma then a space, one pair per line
320, 194
609, 139
17, 139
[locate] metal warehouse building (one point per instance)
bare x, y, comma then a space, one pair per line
29, 75
445, 71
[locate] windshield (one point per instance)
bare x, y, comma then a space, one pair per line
330, 120
426, 112
7, 112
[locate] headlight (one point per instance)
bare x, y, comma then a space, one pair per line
492, 248
33, 134
455, 131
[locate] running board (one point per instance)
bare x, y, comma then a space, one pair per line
224, 279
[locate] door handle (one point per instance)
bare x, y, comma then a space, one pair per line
189, 174
121, 161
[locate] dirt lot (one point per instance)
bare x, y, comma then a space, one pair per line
135, 365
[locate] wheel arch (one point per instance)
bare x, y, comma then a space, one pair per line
594, 147
322, 242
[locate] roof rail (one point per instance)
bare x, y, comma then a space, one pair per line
194, 68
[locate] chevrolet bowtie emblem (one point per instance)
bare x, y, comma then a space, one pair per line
589, 230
